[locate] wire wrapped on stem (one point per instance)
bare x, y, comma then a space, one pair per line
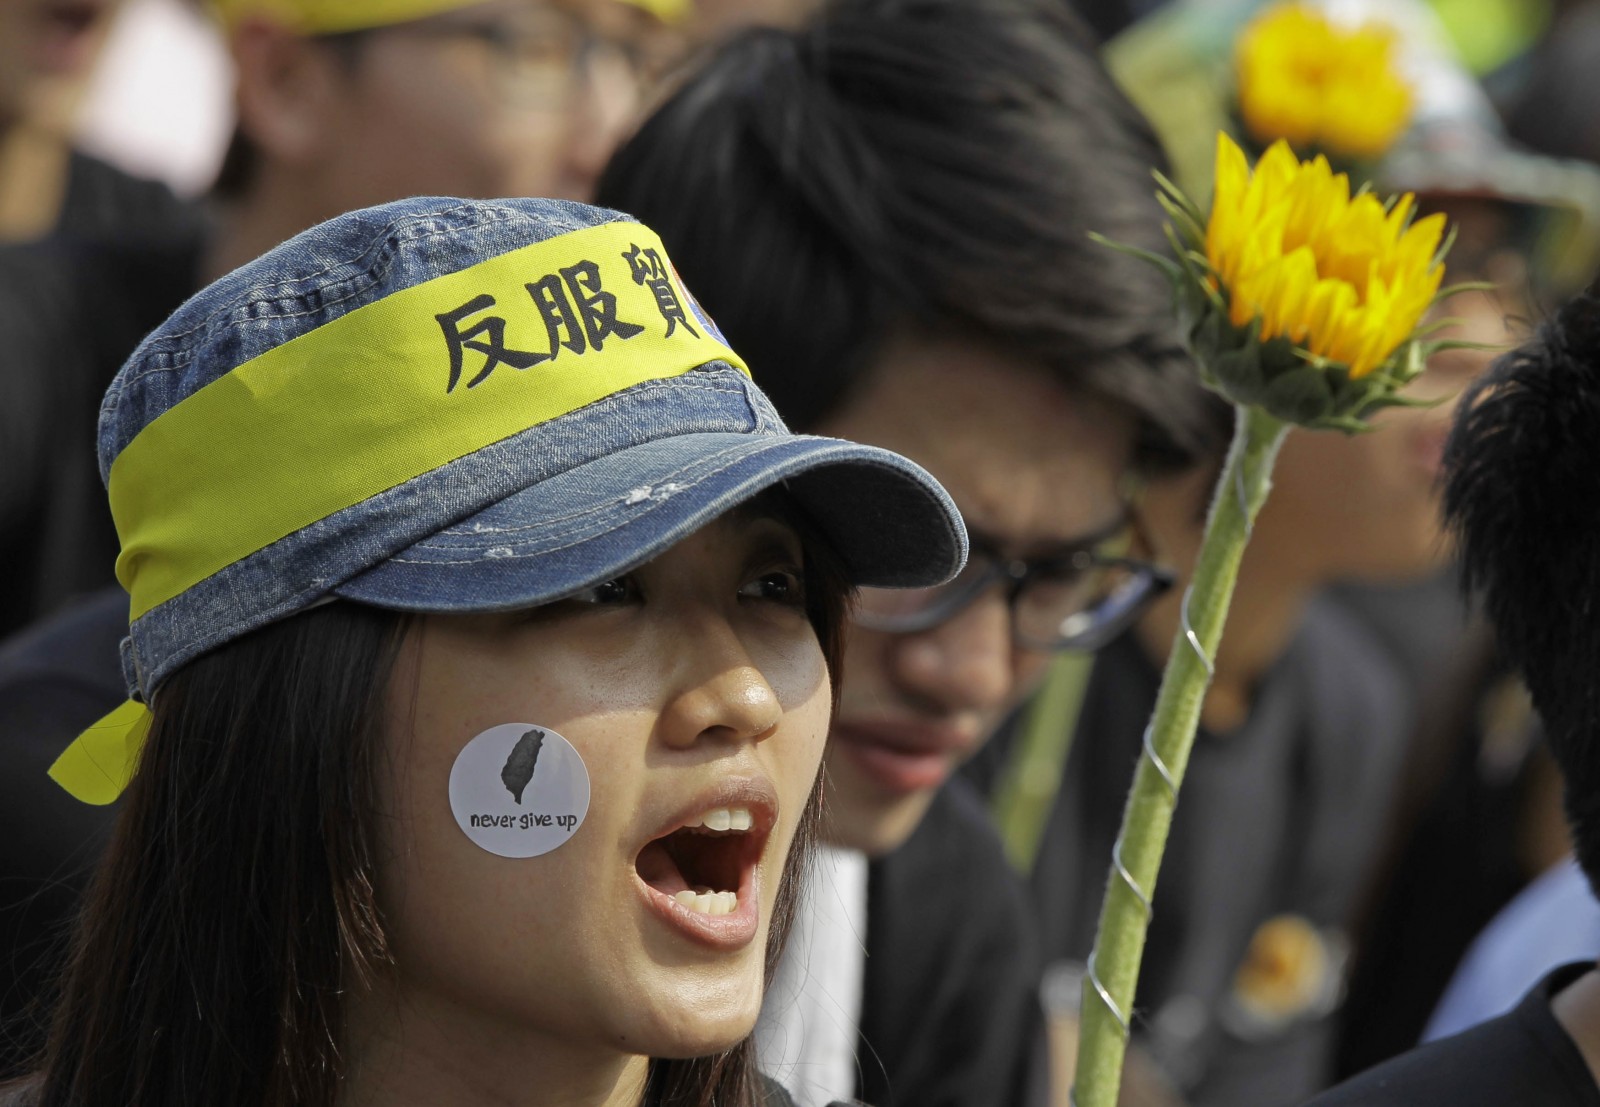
1113, 967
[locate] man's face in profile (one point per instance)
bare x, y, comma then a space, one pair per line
46, 45
1035, 471
500, 98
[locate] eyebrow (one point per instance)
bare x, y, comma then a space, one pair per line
760, 513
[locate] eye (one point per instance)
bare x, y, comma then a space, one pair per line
608, 593
778, 586
1064, 571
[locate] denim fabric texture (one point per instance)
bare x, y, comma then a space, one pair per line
535, 516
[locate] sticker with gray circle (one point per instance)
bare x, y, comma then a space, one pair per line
519, 790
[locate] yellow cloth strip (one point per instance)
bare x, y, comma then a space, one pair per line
326, 17
101, 761
393, 390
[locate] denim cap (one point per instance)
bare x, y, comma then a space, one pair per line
445, 405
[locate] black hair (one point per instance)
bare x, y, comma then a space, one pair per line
236, 905
934, 165
1522, 494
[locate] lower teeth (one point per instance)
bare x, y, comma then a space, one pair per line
707, 902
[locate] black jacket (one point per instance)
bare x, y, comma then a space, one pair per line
950, 1015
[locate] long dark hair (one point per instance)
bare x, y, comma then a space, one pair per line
236, 904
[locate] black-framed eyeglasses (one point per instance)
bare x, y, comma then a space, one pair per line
1077, 600
544, 55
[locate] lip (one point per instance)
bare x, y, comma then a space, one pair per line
738, 929
904, 757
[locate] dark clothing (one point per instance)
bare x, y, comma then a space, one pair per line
1522, 1059
1277, 821
1453, 857
55, 679
773, 1094
950, 1014
72, 308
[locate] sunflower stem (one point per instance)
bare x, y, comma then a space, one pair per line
1241, 489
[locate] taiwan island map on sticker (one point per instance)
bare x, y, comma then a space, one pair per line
519, 766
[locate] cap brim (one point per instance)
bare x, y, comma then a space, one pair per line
889, 521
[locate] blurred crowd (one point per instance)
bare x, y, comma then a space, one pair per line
886, 206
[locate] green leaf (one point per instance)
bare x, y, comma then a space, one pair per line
1438, 345
1348, 424
1445, 245
1239, 372
1165, 264
1203, 335
1299, 396
1179, 197
1450, 290
1279, 355
1188, 225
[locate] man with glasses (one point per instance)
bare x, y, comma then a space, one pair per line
346, 105
889, 210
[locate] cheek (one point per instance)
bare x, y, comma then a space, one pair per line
797, 674
862, 675
807, 721
493, 933
1028, 668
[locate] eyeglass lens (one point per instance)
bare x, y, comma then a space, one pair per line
1057, 604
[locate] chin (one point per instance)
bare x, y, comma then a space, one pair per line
692, 1009
855, 818
695, 1029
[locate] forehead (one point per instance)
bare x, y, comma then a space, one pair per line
1028, 462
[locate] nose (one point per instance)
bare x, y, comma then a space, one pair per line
965, 664
604, 109
721, 694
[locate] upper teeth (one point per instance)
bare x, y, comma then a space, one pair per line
723, 818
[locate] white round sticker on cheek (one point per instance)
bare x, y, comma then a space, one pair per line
519, 790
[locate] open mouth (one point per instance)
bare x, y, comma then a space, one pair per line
707, 864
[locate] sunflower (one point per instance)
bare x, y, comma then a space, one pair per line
1341, 276
1320, 86
1301, 304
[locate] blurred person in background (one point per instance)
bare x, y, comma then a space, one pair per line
1477, 814
339, 107
1555, 108
1520, 491
481, 98
76, 235
47, 50
888, 210
1286, 793
1476, 811
1413, 879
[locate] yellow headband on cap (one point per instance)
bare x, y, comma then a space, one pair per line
574, 319
327, 17
371, 400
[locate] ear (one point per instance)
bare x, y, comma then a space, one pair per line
291, 91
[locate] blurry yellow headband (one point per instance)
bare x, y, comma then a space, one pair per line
327, 17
